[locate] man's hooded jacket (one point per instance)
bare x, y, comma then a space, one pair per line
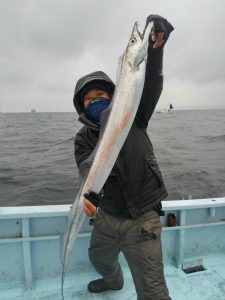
135, 184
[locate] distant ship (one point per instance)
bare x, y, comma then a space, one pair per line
33, 110
166, 110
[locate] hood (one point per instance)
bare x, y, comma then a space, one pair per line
97, 77
90, 124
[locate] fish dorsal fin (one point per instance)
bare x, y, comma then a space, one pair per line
85, 167
119, 67
104, 119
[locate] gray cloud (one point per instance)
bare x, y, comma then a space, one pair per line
46, 45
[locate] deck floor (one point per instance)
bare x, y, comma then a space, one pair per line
204, 285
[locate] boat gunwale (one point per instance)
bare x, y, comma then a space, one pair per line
63, 209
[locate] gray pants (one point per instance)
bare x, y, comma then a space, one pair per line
140, 242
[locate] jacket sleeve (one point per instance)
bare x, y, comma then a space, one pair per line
152, 87
82, 149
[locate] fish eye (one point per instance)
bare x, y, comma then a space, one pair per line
133, 40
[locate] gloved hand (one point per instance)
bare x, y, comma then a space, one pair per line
161, 30
92, 201
93, 198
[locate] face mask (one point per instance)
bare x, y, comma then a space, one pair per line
95, 107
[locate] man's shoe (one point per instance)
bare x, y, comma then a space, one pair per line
99, 286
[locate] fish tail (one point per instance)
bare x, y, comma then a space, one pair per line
62, 284
63, 241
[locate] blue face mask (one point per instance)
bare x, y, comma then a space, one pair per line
95, 107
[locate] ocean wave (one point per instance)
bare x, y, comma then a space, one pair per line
71, 139
189, 174
9, 180
217, 138
6, 169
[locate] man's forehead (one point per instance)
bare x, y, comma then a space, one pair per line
94, 90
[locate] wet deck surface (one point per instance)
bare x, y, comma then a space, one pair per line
204, 285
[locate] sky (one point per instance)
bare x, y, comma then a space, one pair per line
47, 45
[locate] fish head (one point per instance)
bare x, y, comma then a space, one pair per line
136, 51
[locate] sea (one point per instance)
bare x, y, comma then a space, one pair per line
37, 165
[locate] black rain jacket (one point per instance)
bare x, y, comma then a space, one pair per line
135, 184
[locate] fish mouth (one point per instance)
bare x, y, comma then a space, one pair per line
143, 36
136, 29
148, 28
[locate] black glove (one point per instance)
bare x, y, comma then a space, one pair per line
93, 198
160, 25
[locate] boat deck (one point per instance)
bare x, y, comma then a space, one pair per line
203, 285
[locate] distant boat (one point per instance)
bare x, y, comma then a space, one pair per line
165, 110
33, 110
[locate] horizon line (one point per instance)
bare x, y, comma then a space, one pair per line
158, 109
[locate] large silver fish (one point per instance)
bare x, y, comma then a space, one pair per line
116, 122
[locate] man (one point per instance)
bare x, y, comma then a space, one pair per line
129, 206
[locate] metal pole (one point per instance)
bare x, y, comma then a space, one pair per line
180, 240
27, 254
